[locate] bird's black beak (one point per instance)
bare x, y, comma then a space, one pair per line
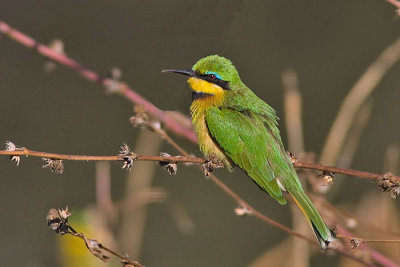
189, 73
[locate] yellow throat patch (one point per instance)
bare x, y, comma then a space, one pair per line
198, 110
202, 86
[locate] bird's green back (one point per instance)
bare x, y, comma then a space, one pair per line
235, 126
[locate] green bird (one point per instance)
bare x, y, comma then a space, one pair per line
238, 128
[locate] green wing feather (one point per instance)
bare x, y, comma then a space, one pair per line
242, 136
252, 142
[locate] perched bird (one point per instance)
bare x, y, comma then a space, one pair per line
238, 128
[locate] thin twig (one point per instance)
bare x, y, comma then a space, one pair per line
175, 159
349, 172
32, 153
122, 88
57, 220
363, 87
125, 259
370, 240
350, 216
252, 211
375, 255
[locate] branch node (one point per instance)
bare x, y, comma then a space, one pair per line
389, 184
57, 220
113, 85
140, 119
10, 146
328, 177
127, 156
242, 210
57, 46
95, 247
171, 167
211, 164
55, 165
355, 243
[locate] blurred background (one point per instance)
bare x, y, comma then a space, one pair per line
183, 220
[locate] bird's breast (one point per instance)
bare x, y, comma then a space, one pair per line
207, 144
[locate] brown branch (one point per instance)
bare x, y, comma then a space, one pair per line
246, 209
375, 255
27, 152
124, 90
57, 220
121, 88
23, 151
349, 172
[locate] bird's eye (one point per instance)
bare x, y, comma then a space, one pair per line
212, 76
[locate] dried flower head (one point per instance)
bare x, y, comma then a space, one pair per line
355, 243
171, 167
128, 157
141, 118
125, 150
57, 220
328, 178
64, 213
113, 84
242, 211
10, 146
389, 183
211, 164
128, 163
16, 159
55, 165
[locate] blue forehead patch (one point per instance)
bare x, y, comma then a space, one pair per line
212, 72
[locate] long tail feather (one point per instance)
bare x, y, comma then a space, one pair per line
321, 231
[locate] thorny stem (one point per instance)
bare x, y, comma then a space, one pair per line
175, 159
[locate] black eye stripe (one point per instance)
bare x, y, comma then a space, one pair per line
211, 78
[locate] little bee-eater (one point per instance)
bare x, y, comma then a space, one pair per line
238, 128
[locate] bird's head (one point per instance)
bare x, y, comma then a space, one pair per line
211, 78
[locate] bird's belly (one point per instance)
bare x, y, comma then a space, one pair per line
207, 144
